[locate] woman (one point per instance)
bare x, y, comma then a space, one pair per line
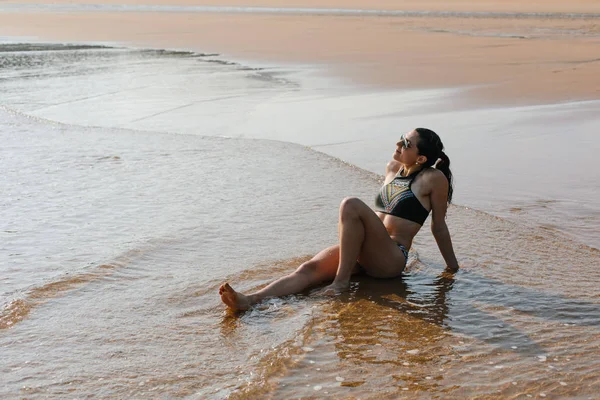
377, 242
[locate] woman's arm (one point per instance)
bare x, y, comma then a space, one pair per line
439, 206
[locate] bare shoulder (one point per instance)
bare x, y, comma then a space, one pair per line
434, 178
392, 167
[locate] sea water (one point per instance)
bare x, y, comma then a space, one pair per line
135, 182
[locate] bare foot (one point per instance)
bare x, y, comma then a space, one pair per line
234, 300
334, 289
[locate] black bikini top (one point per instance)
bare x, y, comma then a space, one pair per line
396, 198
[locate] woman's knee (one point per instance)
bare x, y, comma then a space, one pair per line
311, 271
308, 268
350, 207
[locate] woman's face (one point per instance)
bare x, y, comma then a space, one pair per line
406, 148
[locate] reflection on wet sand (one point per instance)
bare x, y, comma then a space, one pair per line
424, 333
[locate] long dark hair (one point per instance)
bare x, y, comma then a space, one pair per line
430, 145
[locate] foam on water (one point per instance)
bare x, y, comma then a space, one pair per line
129, 226
201, 94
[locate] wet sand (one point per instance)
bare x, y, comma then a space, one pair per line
504, 61
127, 305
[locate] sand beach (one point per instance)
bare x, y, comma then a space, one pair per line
153, 150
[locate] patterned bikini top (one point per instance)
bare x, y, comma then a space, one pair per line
396, 198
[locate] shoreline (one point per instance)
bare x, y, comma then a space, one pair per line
499, 62
358, 125
462, 85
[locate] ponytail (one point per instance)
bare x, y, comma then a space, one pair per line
430, 145
443, 164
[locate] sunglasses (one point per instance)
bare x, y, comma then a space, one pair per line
404, 142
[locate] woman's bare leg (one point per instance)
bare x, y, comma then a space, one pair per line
322, 267
363, 238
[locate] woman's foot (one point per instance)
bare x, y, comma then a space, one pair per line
234, 300
334, 289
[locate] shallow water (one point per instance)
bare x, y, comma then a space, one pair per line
116, 237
